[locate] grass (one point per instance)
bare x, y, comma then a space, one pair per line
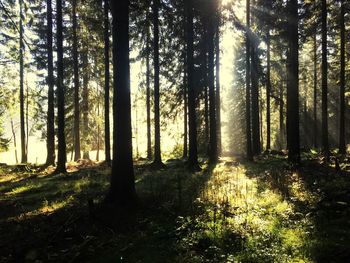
232, 212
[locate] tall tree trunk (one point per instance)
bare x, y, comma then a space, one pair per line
14, 140
281, 116
76, 86
98, 126
157, 151
268, 93
21, 84
107, 76
61, 161
325, 143
192, 120
217, 80
122, 189
85, 105
213, 147
50, 139
185, 147
315, 126
255, 101
148, 89
342, 144
293, 143
248, 91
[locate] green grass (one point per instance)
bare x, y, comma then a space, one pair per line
232, 212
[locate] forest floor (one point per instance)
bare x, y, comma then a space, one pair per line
232, 212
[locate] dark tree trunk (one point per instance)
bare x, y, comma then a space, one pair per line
205, 64
325, 144
192, 121
342, 144
255, 101
268, 93
281, 117
315, 126
61, 160
217, 80
76, 86
50, 139
148, 90
157, 152
21, 85
293, 143
107, 76
213, 147
122, 190
85, 105
185, 149
248, 92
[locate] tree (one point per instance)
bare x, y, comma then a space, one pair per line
122, 188
148, 85
248, 93
217, 78
293, 144
342, 147
107, 76
61, 161
50, 139
157, 151
21, 86
192, 122
76, 86
213, 143
325, 143
268, 92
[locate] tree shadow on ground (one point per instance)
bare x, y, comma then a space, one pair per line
319, 194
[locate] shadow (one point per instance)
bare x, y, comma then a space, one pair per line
319, 194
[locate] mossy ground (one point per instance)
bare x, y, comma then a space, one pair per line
231, 212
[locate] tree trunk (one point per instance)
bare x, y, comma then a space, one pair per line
315, 126
107, 76
122, 189
76, 86
281, 116
61, 161
148, 90
157, 151
21, 85
342, 144
213, 147
50, 139
268, 93
255, 101
192, 120
85, 105
325, 144
293, 143
185, 147
248, 91
217, 80
14, 140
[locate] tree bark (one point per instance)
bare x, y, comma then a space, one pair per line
61, 161
76, 86
213, 147
255, 101
268, 93
122, 189
148, 89
107, 76
293, 143
192, 120
50, 139
342, 144
325, 143
157, 151
315, 126
248, 91
21, 85
217, 80
85, 105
